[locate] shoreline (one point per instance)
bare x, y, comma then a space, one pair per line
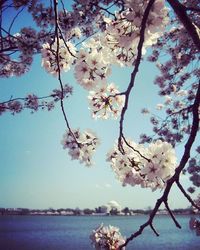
93, 215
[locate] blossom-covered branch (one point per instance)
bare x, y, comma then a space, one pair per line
180, 10
187, 195
34, 102
136, 68
182, 164
90, 39
80, 146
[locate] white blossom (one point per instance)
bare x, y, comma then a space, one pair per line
107, 238
127, 165
168, 99
148, 167
182, 93
66, 54
81, 146
105, 102
91, 69
162, 158
159, 106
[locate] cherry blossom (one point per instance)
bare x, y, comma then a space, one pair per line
194, 224
122, 34
107, 237
91, 67
148, 167
105, 102
81, 146
127, 165
162, 160
194, 170
15, 107
66, 56
34, 102
89, 39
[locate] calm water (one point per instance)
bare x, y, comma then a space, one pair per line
72, 232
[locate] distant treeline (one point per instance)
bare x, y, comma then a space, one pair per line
86, 211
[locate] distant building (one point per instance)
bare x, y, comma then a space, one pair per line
104, 209
66, 212
113, 205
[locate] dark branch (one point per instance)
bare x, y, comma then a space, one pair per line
175, 177
180, 11
136, 68
187, 195
171, 214
25, 98
192, 9
146, 224
154, 230
135, 150
59, 70
14, 19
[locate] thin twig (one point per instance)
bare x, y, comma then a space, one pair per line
175, 177
180, 11
107, 11
24, 99
192, 9
59, 70
14, 19
135, 150
136, 69
154, 230
187, 195
171, 214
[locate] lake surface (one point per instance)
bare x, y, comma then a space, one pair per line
72, 232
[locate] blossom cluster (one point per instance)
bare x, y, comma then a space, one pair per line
81, 146
34, 103
42, 15
107, 238
105, 102
27, 41
174, 53
58, 56
194, 224
123, 33
193, 170
116, 45
150, 167
177, 110
91, 68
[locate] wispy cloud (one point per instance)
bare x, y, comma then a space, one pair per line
103, 186
107, 185
98, 186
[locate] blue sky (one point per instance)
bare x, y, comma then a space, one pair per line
35, 171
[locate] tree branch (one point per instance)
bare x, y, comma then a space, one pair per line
192, 9
175, 177
136, 69
154, 230
143, 226
14, 19
135, 150
171, 214
59, 70
180, 11
187, 195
